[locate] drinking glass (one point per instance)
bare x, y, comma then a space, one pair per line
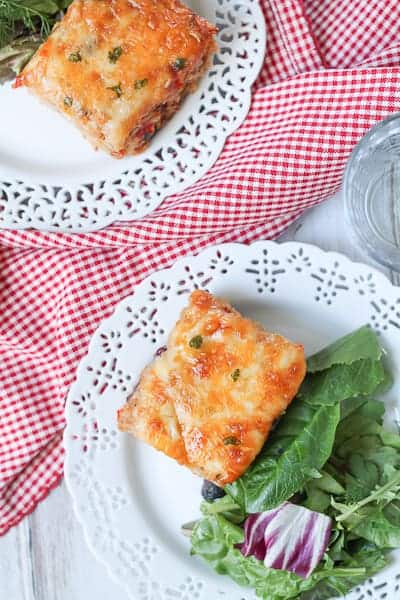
372, 193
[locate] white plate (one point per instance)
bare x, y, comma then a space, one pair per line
51, 179
132, 500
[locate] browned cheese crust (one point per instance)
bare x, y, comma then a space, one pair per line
120, 68
210, 399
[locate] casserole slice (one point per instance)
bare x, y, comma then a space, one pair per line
120, 68
210, 400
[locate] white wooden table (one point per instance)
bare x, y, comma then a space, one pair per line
45, 557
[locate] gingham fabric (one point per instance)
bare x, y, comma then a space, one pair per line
332, 70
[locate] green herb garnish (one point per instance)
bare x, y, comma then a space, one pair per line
231, 440
140, 83
196, 342
114, 54
68, 101
117, 89
75, 57
235, 375
179, 64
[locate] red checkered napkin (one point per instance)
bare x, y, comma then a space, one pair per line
332, 70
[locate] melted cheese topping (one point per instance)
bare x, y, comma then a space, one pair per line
111, 63
210, 399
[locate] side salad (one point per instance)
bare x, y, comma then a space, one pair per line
24, 25
318, 511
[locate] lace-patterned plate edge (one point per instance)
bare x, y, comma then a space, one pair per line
178, 157
331, 275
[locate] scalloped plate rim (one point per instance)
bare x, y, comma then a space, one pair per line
121, 305
113, 174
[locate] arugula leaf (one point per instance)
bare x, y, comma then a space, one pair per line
364, 452
357, 345
380, 525
382, 495
296, 450
362, 377
370, 473
376, 517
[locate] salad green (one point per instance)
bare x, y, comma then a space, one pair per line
297, 449
24, 24
214, 539
332, 454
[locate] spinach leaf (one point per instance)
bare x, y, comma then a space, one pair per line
362, 377
319, 491
367, 407
357, 345
296, 450
390, 439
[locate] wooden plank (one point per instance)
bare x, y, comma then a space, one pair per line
325, 227
64, 567
16, 573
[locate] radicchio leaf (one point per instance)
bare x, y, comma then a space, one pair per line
290, 538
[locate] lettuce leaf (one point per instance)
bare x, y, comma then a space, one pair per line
214, 539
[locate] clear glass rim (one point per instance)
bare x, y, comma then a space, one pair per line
367, 237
